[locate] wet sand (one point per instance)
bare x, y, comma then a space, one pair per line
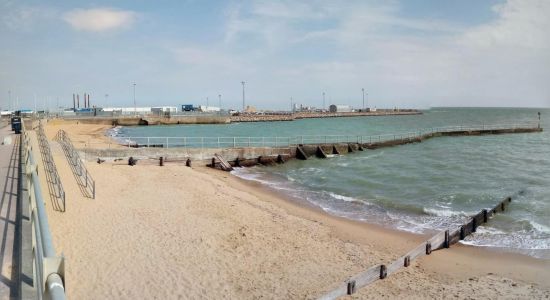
178, 232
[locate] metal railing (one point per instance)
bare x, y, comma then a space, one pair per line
48, 268
51, 169
76, 163
276, 141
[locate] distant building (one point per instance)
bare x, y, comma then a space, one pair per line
164, 109
340, 108
250, 109
204, 108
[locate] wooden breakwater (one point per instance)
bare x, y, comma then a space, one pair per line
441, 240
325, 149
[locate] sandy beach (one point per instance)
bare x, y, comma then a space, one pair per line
175, 232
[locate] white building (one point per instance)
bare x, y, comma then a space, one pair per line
340, 108
205, 108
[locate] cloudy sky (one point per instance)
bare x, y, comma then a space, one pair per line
417, 53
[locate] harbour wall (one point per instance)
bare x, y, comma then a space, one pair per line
246, 156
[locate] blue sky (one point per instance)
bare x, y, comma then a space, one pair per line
404, 53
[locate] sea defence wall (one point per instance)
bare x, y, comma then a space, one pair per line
299, 149
141, 120
146, 120
314, 115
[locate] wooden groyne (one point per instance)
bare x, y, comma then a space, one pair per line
441, 240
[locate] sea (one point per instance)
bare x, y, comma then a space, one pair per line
420, 188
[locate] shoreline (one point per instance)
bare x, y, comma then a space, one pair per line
472, 259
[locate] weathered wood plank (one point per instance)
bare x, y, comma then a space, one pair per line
369, 276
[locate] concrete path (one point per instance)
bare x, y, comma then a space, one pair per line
15, 249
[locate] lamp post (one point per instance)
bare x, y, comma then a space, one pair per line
242, 82
220, 101
291, 105
135, 106
9, 99
106, 102
323, 101
363, 90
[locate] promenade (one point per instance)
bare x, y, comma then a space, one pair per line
15, 249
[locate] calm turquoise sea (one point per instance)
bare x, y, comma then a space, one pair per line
419, 187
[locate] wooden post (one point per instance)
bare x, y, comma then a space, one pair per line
428, 248
280, 159
407, 261
188, 162
237, 162
351, 287
383, 272
161, 161
447, 244
485, 216
474, 224
213, 165
462, 233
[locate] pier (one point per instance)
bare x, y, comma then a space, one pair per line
249, 151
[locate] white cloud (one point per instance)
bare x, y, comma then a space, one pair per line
505, 61
100, 19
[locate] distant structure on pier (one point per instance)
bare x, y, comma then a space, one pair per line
339, 108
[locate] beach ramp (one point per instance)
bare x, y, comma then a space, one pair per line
224, 165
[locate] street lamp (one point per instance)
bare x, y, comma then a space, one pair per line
323, 100
135, 107
220, 101
106, 102
291, 105
363, 98
9, 99
242, 82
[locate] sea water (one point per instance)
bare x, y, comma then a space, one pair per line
421, 187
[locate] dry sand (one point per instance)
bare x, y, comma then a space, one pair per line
192, 233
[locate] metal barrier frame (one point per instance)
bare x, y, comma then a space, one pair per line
74, 159
48, 268
49, 164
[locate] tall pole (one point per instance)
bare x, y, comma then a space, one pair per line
135, 107
206, 103
9, 100
323, 100
291, 105
220, 101
106, 102
243, 94
363, 108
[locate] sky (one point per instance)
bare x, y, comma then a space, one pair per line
414, 54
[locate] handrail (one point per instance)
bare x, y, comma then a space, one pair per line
49, 269
291, 141
50, 167
74, 159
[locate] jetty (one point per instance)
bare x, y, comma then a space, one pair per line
249, 151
